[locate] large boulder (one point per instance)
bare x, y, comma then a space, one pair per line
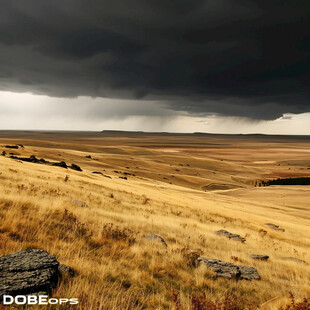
26, 272
229, 270
229, 235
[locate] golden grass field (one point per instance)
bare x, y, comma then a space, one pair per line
184, 188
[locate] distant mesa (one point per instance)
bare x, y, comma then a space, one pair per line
229, 270
229, 235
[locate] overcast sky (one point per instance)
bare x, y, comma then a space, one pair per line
236, 66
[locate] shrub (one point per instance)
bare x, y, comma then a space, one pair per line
70, 224
303, 305
111, 231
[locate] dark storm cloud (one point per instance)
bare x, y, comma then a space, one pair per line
233, 57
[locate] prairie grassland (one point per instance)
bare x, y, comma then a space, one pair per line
183, 193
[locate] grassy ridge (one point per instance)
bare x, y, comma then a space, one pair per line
117, 268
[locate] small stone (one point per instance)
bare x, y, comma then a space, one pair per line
275, 227
154, 237
229, 235
80, 203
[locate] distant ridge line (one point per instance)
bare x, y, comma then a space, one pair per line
203, 134
22, 133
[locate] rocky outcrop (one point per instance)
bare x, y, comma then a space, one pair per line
33, 159
156, 238
27, 271
230, 271
75, 167
259, 257
11, 146
98, 172
275, 227
30, 159
61, 164
229, 235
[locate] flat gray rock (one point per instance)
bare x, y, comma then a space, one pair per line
229, 235
275, 227
259, 257
154, 237
27, 271
230, 271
